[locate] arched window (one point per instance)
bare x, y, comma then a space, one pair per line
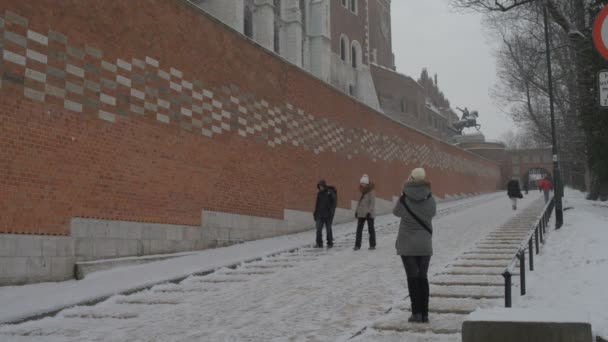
355, 54
353, 6
403, 105
344, 48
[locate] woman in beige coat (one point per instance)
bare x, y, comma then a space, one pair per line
366, 212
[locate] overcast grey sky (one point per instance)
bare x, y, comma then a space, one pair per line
427, 33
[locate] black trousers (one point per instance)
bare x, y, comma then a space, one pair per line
330, 237
370, 228
416, 270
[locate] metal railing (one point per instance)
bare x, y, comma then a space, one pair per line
535, 238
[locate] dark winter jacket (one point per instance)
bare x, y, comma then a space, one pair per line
367, 204
513, 189
327, 200
413, 239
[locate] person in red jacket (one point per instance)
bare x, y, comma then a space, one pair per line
545, 185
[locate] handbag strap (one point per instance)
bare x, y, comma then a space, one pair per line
416, 217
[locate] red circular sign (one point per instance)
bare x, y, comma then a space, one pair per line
600, 32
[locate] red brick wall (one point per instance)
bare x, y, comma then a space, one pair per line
59, 162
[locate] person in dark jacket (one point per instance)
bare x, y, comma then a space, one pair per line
325, 208
514, 192
414, 244
366, 212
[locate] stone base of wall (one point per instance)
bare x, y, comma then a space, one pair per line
103, 239
29, 258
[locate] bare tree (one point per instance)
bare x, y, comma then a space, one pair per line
520, 139
522, 87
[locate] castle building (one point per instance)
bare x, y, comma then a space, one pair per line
346, 43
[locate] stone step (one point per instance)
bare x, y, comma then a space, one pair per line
83, 268
513, 238
380, 335
498, 245
468, 280
501, 240
492, 251
481, 263
509, 234
497, 271
504, 257
294, 259
216, 279
273, 265
439, 324
506, 248
461, 306
182, 288
457, 291
514, 230
246, 272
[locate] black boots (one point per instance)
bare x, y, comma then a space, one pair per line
423, 286
412, 286
419, 297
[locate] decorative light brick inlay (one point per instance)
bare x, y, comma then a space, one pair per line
141, 86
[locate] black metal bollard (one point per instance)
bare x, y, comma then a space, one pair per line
522, 271
540, 232
536, 240
507, 276
531, 254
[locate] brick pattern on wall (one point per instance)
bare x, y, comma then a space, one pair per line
49, 67
98, 122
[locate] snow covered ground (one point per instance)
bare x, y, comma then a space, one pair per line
571, 273
304, 294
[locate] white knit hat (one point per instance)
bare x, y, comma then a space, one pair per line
364, 180
418, 174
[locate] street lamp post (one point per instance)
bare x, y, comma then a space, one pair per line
557, 186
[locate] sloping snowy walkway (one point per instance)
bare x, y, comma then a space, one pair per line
293, 293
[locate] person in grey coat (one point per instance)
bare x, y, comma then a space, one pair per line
415, 240
366, 212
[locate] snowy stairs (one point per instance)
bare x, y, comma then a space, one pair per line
474, 280
211, 283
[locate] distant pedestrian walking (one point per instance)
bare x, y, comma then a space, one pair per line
514, 192
366, 212
416, 208
325, 209
546, 186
